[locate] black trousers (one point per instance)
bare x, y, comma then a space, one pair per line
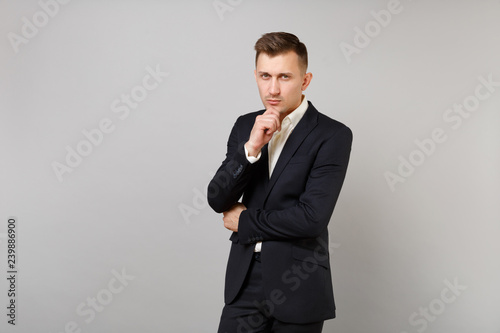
248, 313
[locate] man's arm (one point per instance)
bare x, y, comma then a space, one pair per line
311, 215
232, 217
231, 178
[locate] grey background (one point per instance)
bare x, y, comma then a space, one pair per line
136, 202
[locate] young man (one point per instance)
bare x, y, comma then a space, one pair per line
288, 162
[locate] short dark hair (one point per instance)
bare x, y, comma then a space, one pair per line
277, 43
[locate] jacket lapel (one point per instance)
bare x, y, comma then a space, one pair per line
299, 133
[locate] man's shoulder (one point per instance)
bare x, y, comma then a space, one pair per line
250, 116
325, 121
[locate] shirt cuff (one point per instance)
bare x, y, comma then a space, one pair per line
252, 159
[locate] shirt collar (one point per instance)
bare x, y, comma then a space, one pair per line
298, 113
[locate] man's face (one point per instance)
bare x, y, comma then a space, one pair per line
281, 81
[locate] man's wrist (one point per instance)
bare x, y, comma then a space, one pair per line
252, 151
250, 154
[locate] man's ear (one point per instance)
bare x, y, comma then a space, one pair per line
307, 79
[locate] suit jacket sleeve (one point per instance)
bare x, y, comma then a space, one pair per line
312, 213
232, 177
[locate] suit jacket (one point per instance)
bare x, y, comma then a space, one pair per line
288, 212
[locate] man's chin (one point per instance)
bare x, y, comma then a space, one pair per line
279, 108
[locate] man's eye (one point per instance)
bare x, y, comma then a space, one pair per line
265, 76
284, 76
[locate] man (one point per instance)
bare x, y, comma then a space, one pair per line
288, 163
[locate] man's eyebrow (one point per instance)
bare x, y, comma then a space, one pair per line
279, 74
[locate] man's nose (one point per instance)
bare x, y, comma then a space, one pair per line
274, 88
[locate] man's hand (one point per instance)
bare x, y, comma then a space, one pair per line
232, 216
263, 129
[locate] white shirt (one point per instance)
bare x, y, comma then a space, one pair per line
277, 142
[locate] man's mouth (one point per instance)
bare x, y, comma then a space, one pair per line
273, 101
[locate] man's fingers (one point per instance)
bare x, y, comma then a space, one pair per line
229, 224
265, 126
275, 115
270, 122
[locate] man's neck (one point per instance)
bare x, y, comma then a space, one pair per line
285, 114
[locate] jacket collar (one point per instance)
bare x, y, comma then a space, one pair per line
300, 132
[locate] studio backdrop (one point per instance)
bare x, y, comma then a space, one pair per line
114, 116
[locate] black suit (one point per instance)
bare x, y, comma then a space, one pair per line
288, 212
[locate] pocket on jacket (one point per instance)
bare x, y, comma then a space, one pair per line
315, 257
